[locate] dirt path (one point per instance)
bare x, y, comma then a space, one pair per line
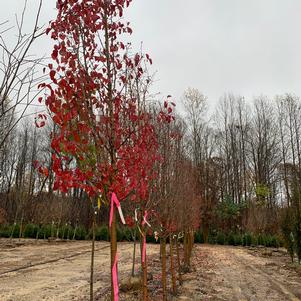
31, 271
227, 273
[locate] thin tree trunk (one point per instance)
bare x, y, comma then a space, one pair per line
74, 233
113, 238
14, 226
20, 229
92, 259
190, 246
186, 260
163, 262
144, 269
179, 262
113, 245
172, 267
134, 254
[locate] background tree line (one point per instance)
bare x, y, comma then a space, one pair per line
247, 158
242, 162
247, 155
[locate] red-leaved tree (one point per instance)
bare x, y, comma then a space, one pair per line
105, 141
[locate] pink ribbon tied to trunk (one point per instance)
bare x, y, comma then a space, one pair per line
144, 236
115, 201
145, 219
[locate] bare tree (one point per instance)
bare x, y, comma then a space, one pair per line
19, 72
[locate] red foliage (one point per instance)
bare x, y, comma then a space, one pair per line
104, 141
129, 221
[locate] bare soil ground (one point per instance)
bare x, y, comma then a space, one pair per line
59, 271
236, 273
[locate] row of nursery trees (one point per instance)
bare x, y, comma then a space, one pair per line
103, 146
108, 144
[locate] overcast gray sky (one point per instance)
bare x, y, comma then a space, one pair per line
248, 47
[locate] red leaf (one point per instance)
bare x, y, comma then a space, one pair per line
45, 171
52, 75
101, 59
54, 54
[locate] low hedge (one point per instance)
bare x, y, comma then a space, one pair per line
68, 232
238, 239
125, 234
7, 230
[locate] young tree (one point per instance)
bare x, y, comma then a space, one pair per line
18, 73
105, 143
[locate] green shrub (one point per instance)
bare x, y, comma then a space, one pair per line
275, 242
287, 232
127, 234
297, 236
220, 238
5, 230
254, 241
66, 232
150, 239
212, 238
102, 233
247, 239
198, 237
30, 231
15, 231
119, 232
47, 231
237, 240
267, 241
69, 232
231, 239
261, 240
80, 233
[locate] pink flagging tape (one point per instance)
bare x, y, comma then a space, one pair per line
121, 215
144, 236
145, 219
115, 279
144, 249
114, 200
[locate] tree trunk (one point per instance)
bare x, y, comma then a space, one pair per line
113, 246
21, 228
74, 233
163, 262
92, 259
186, 250
179, 262
134, 254
172, 267
190, 246
144, 268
